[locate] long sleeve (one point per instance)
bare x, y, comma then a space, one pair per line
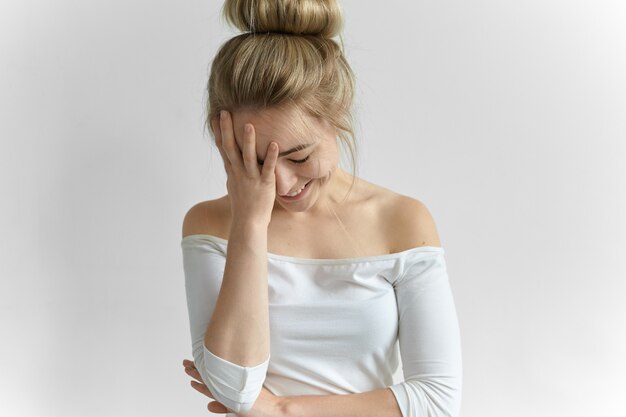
429, 338
235, 386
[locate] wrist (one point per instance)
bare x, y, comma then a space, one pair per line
247, 220
249, 226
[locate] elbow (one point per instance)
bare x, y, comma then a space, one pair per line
236, 387
436, 397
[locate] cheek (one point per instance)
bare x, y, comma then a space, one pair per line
324, 161
322, 166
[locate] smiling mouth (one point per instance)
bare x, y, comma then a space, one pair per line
302, 190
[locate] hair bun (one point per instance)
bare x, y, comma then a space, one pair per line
298, 17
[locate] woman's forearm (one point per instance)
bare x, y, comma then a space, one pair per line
239, 327
378, 403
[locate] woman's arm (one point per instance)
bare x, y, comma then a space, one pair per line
239, 328
206, 278
377, 403
429, 338
235, 351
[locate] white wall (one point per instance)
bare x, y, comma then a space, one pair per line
506, 118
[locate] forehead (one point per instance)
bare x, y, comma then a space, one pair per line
287, 126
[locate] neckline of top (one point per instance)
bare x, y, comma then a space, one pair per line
276, 256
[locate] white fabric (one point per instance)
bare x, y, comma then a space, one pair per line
337, 327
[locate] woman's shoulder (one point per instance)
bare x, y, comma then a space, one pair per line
406, 218
414, 224
208, 217
407, 221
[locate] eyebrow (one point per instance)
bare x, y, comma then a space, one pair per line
292, 150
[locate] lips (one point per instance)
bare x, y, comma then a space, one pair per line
301, 188
298, 196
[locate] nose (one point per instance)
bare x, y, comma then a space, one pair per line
286, 179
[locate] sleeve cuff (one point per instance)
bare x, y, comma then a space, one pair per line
402, 397
235, 386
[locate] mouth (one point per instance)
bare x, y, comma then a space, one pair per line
298, 196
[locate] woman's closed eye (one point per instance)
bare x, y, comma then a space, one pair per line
295, 161
300, 161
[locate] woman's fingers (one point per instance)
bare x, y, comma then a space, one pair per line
271, 156
202, 389
193, 372
217, 407
228, 141
249, 151
190, 369
215, 123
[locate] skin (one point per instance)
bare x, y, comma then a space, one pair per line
275, 125
409, 226
251, 185
266, 405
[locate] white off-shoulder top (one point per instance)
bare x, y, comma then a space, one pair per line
337, 326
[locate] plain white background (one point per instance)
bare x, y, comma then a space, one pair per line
507, 119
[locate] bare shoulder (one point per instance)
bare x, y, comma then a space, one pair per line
412, 223
406, 221
209, 217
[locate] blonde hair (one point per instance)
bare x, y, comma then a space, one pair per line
285, 57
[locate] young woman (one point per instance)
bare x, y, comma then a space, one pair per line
304, 280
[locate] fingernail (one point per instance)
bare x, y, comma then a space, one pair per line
222, 114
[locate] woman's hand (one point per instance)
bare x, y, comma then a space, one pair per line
266, 405
252, 191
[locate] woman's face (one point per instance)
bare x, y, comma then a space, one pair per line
313, 159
